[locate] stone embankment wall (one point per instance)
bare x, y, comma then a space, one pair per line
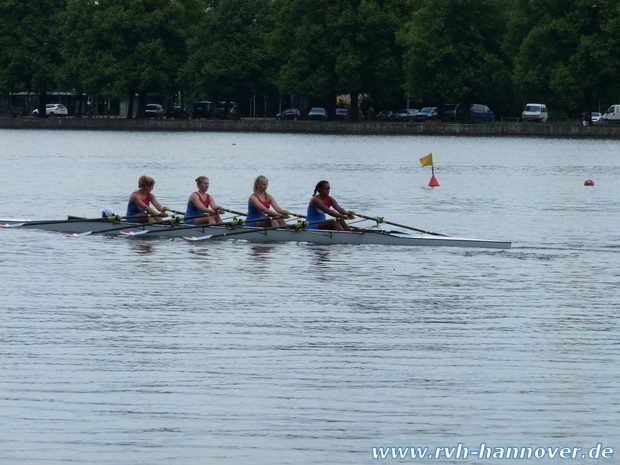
318, 127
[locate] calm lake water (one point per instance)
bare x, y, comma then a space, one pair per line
152, 351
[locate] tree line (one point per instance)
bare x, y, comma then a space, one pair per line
497, 52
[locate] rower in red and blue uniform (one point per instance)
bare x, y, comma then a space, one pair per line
261, 204
140, 202
202, 204
322, 203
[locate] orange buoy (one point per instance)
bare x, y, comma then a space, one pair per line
434, 182
589, 182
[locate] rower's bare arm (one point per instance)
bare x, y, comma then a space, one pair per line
277, 208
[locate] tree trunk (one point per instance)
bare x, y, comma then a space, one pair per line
354, 114
130, 106
141, 104
41, 105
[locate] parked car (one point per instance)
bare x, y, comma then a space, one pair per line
232, 109
317, 113
425, 113
612, 115
406, 114
342, 113
596, 117
292, 113
535, 112
385, 115
153, 110
204, 109
450, 110
479, 112
175, 111
52, 109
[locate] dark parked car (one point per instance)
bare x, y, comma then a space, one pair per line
175, 112
406, 114
204, 109
232, 109
153, 110
481, 113
385, 115
426, 113
450, 110
317, 113
342, 113
291, 113
477, 112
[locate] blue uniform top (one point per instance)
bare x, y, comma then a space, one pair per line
192, 211
253, 213
314, 214
134, 210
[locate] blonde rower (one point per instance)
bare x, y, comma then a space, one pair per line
200, 204
261, 204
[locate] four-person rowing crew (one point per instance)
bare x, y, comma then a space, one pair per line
263, 209
265, 221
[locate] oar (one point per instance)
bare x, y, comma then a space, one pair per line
235, 212
381, 220
134, 225
183, 226
72, 220
175, 211
298, 225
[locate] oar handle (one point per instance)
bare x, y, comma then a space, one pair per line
234, 212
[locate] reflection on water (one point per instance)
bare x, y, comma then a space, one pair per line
262, 253
141, 248
160, 351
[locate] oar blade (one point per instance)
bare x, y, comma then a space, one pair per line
86, 233
134, 233
198, 238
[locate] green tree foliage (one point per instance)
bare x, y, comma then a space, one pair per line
454, 51
569, 50
29, 46
227, 57
328, 47
115, 48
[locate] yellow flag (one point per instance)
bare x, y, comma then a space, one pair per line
427, 160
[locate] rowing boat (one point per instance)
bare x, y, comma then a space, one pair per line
374, 236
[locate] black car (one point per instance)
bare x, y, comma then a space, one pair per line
404, 115
175, 112
232, 109
317, 113
204, 109
292, 113
385, 115
425, 113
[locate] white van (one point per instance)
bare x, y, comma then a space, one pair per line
535, 112
612, 115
